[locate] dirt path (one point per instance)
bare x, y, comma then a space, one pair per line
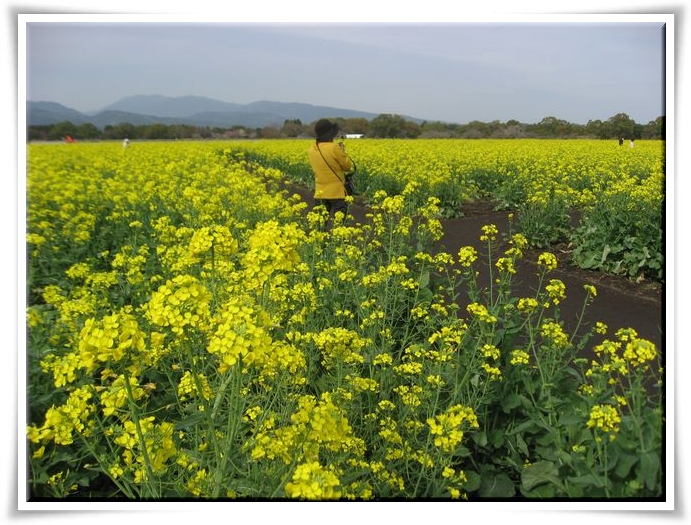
619, 303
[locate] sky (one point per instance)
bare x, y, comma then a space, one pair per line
573, 69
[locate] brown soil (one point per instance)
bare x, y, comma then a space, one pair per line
620, 302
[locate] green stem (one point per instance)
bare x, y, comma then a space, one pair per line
580, 317
137, 425
104, 468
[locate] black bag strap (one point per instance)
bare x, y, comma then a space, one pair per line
329, 165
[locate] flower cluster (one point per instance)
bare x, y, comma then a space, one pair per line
181, 303
311, 481
447, 428
340, 345
604, 418
146, 446
240, 328
64, 421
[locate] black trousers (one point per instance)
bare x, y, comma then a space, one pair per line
333, 206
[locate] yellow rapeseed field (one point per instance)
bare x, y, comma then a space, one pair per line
194, 331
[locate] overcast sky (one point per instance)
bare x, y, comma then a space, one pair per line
457, 72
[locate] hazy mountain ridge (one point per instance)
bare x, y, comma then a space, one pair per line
191, 110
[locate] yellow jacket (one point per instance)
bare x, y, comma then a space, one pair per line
327, 184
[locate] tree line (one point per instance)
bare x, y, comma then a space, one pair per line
382, 126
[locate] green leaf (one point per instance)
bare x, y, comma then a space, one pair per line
496, 486
538, 473
195, 418
496, 437
423, 281
587, 481
512, 401
624, 464
650, 466
590, 261
473, 479
480, 438
605, 253
527, 426
522, 446
462, 452
564, 457
540, 492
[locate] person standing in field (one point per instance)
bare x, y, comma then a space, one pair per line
330, 163
631, 143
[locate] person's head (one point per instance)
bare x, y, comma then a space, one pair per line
325, 130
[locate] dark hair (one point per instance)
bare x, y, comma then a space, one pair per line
325, 130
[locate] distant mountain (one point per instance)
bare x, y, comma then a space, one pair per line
46, 113
191, 110
161, 106
306, 112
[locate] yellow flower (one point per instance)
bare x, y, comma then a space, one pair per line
639, 352
188, 386
447, 427
556, 290
604, 418
553, 332
467, 255
489, 233
505, 264
590, 290
519, 357
527, 304
481, 313
340, 345
548, 260
311, 481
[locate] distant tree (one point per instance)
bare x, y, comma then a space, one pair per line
87, 131
655, 129
411, 130
122, 131
356, 125
436, 130
510, 130
476, 130
388, 126
156, 131
38, 132
553, 127
61, 130
205, 132
292, 128
384, 125
596, 129
268, 132
621, 125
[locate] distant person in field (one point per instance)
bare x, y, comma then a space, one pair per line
329, 163
631, 143
125, 142
621, 141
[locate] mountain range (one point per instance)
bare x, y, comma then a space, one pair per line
190, 110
